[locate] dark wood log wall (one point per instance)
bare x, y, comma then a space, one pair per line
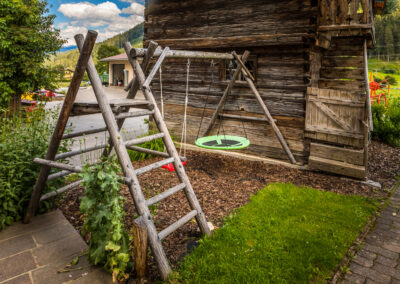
282, 59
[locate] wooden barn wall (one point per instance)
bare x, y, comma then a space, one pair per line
183, 20
277, 33
342, 68
282, 77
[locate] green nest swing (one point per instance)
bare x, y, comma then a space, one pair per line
220, 142
223, 142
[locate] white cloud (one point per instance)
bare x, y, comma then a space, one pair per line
134, 9
105, 18
85, 10
69, 32
128, 1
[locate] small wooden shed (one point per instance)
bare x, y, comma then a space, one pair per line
308, 58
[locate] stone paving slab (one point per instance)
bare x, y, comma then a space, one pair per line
34, 253
378, 259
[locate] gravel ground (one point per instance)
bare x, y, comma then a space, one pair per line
223, 184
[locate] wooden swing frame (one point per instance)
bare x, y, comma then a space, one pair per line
241, 68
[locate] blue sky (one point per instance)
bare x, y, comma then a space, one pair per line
108, 17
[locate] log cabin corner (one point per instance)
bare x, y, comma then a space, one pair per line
309, 60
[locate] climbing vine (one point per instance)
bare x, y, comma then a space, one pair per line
104, 215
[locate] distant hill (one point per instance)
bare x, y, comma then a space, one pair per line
69, 58
63, 49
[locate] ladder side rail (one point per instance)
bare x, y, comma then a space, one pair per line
169, 144
134, 88
156, 66
56, 138
127, 167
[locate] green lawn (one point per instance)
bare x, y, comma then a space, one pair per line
286, 234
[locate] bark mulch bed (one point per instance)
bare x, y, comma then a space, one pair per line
223, 184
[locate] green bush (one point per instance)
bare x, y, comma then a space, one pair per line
392, 80
388, 71
387, 122
23, 137
104, 215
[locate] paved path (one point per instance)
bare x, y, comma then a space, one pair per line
378, 259
33, 253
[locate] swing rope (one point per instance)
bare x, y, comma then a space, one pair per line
161, 94
184, 132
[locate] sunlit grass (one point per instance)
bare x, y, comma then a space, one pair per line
286, 234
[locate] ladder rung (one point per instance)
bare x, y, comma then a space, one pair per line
60, 190
134, 114
144, 139
78, 152
175, 226
57, 165
154, 166
165, 194
84, 132
153, 152
92, 107
58, 175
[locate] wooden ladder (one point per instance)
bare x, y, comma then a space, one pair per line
114, 114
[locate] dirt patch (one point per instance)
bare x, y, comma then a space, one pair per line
223, 184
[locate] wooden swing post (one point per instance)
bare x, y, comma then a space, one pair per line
269, 117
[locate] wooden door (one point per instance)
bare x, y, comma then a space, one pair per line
334, 121
335, 116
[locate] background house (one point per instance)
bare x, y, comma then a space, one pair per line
120, 70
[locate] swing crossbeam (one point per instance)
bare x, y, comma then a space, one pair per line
142, 52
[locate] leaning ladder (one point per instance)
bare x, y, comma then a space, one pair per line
114, 117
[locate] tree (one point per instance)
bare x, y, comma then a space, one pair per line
104, 52
390, 6
59, 70
389, 42
27, 39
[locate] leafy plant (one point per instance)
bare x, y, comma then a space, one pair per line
23, 137
104, 215
387, 122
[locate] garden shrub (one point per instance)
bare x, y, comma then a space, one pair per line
104, 215
388, 70
387, 122
23, 137
392, 80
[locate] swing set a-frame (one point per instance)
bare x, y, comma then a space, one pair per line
114, 114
